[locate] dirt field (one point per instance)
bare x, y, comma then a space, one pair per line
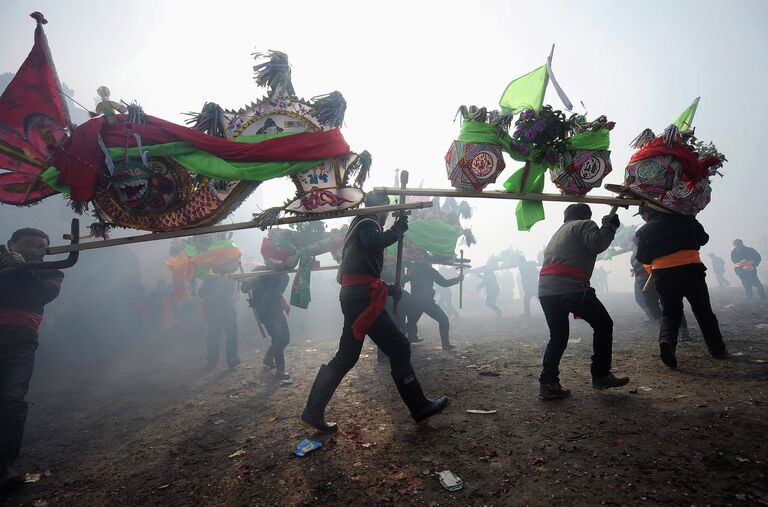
161, 431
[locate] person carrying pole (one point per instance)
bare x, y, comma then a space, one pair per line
670, 243
569, 260
363, 295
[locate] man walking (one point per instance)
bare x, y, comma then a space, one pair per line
363, 295
569, 260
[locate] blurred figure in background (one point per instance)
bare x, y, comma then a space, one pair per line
747, 260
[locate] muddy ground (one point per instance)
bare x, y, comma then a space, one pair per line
157, 429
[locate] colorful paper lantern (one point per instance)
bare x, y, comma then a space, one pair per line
472, 166
580, 171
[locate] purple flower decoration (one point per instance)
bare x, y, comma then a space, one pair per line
521, 149
529, 135
527, 114
552, 157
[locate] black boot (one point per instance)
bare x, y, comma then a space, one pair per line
421, 407
325, 385
667, 354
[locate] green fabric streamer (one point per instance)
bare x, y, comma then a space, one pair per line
300, 292
525, 92
205, 163
214, 167
480, 132
528, 212
51, 178
597, 140
433, 236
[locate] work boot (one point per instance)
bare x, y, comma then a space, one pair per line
553, 391
285, 379
325, 385
448, 347
10, 479
667, 354
421, 407
721, 355
609, 381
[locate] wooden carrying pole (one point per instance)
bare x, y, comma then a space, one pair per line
461, 283
183, 233
241, 277
497, 194
399, 264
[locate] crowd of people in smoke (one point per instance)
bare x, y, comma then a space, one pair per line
665, 264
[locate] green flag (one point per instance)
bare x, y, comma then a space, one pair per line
685, 120
525, 92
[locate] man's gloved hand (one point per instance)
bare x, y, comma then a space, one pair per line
611, 219
400, 225
8, 259
395, 292
460, 278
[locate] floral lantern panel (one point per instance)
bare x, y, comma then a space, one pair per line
578, 172
472, 166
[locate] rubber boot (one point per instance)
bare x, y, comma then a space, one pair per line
325, 385
421, 407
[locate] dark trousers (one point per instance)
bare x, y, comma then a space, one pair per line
384, 334
749, 279
17, 360
586, 306
277, 326
217, 325
418, 307
674, 284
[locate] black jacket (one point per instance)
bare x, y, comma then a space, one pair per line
267, 290
363, 253
29, 290
742, 253
423, 278
665, 234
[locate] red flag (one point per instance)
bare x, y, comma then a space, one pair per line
33, 119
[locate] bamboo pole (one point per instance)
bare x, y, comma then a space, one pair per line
157, 236
400, 243
498, 194
261, 272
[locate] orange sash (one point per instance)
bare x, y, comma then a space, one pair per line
679, 258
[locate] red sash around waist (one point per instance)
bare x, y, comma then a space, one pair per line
563, 270
21, 318
377, 292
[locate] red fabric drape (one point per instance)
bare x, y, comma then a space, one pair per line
80, 159
377, 292
693, 168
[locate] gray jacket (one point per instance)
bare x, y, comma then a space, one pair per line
576, 244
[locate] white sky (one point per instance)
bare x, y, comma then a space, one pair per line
405, 67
